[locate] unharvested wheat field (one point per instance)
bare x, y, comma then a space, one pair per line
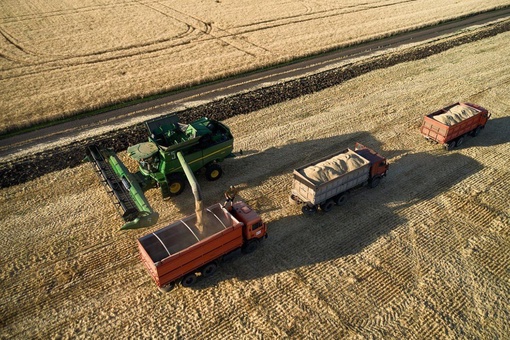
58, 58
424, 255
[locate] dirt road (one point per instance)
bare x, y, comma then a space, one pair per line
75, 129
424, 255
59, 59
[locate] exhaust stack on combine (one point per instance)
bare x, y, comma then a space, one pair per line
202, 144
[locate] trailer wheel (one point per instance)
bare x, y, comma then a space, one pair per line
176, 184
374, 182
459, 141
340, 199
476, 131
209, 269
250, 247
327, 206
167, 288
307, 210
449, 146
213, 172
189, 280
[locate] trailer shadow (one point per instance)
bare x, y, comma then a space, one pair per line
299, 241
496, 132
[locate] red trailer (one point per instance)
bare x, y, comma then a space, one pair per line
451, 124
180, 251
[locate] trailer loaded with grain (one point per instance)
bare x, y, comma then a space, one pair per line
196, 244
327, 181
450, 125
183, 249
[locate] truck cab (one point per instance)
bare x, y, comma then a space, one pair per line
378, 165
254, 228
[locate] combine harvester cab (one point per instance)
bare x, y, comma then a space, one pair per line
204, 143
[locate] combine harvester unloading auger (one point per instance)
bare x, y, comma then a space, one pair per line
202, 144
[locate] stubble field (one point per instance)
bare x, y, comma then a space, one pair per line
424, 255
58, 58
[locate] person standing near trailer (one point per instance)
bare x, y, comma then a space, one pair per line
230, 195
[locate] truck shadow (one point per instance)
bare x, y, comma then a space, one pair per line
254, 167
496, 132
280, 160
298, 241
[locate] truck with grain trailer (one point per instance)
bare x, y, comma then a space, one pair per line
184, 250
328, 181
450, 125
197, 243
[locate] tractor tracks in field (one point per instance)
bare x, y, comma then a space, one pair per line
312, 14
208, 30
197, 31
58, 290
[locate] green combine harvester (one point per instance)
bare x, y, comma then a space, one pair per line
203, 143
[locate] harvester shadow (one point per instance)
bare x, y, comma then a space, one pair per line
300, 241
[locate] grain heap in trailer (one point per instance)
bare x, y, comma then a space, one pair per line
329, 180
450, 125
